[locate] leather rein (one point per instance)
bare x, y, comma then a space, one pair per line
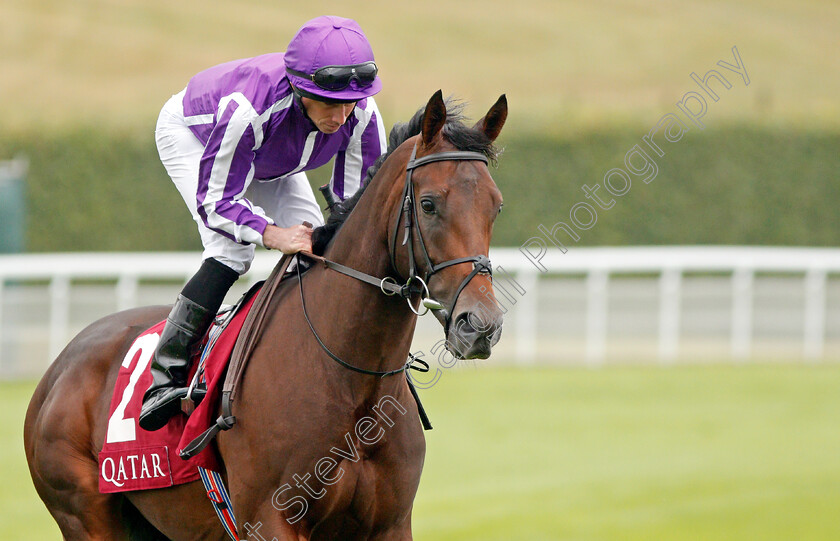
388, 285
414, 283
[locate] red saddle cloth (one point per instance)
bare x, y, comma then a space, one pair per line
134, 459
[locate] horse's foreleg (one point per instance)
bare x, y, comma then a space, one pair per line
400, 532
269, 524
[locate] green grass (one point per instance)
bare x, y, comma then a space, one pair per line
706, 453
82, 84
711, 453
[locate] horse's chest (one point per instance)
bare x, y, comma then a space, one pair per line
379, 479
371, 483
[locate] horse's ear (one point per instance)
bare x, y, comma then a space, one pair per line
433, 118
495, 118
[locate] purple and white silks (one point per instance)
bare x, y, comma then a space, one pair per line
252, 128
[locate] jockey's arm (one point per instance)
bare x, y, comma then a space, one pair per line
225, 171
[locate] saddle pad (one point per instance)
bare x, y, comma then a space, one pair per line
134, 459
215, 367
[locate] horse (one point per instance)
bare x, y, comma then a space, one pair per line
425, 216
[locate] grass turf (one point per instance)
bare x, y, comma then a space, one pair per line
719, 452
712, 453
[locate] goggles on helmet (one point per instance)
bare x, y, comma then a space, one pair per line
335, 78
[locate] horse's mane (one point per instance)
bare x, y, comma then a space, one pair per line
455, 131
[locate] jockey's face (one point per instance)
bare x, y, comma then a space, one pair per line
327, 116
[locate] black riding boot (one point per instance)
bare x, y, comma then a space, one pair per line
186, 325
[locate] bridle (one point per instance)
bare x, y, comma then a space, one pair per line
414, 284
389, 286
408, 215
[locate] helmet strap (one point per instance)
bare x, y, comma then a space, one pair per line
296, 97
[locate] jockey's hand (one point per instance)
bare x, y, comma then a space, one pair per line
289, 240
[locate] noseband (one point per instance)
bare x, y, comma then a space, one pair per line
414, 284
389, 286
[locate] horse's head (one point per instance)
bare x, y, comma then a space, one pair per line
450, 203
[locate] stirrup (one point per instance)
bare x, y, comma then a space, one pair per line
192, 399
158, 408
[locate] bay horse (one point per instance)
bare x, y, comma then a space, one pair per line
430, 190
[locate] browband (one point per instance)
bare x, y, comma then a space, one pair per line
454, 155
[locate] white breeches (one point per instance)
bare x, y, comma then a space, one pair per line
288, 201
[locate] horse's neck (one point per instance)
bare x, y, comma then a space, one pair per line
377, 327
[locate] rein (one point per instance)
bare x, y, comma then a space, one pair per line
411, 363
389, 286
424, 366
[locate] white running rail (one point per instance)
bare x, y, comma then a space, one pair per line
521, 274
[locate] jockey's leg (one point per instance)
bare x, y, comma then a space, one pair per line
186, 325
224, 260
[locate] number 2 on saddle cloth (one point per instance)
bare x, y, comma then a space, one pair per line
134, 459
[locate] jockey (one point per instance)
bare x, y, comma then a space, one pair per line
236, 142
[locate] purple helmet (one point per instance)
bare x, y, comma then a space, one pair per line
330, 58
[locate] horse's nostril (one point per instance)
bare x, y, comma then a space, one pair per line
462, 321
481, 323
463, 329
474, 325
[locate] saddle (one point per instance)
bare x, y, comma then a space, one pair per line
193, 442
211, 391
135, 459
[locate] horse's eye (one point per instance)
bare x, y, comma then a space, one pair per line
428, 206
501, 207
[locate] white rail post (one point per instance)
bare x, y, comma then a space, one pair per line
597, 282
59, 313
814, 332
670, 302
526, 317
127, 291
742, 301
2, 329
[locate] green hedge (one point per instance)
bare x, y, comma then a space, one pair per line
89, 190
728, 186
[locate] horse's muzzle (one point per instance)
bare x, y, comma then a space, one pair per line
472, 335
